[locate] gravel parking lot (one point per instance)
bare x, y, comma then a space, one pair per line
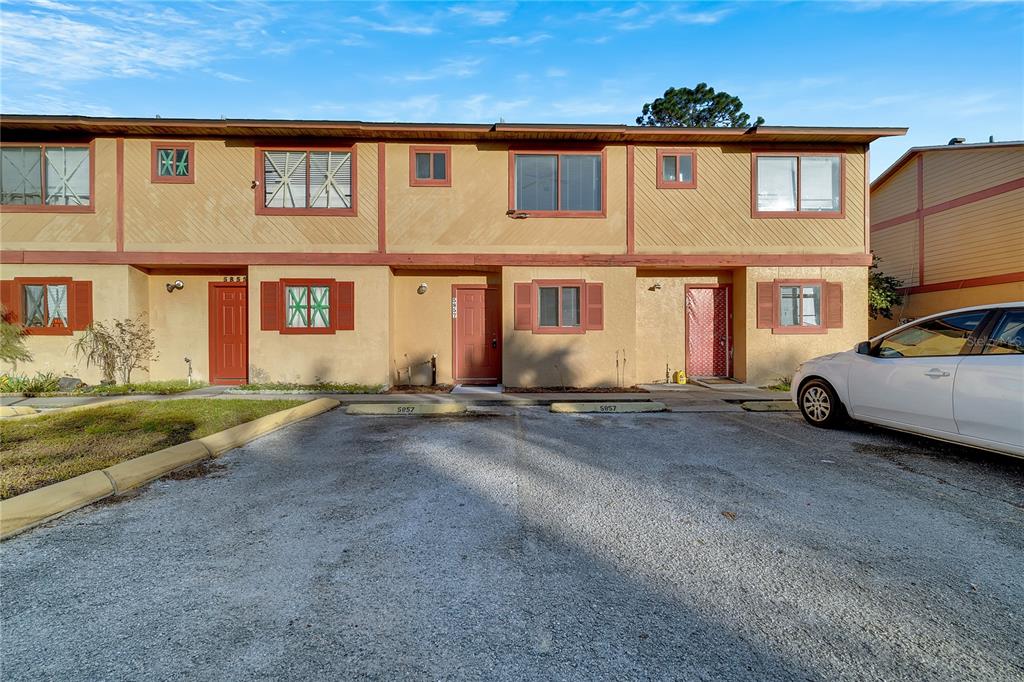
517, 544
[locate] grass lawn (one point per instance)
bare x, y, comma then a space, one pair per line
43, 450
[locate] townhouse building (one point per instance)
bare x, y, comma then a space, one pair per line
948, 221
533, 255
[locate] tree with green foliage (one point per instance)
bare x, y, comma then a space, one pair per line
699, 107
12, 339
883, 291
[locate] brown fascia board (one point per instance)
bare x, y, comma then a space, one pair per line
914, 151
367, 130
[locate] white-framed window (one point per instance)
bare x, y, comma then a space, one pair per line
798, 184
311, 181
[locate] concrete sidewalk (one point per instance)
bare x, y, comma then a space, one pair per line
687, 398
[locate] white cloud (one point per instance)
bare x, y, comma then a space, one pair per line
399, 26
55, 46
519, 41
483, 17
483, 108
642, 16
556, 73
448, 68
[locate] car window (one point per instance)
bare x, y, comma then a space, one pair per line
938, 337
1008, 336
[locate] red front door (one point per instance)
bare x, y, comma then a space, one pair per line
708, 331
228, 333
476, 328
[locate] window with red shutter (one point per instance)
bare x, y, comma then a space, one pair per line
523, 305
558, 306
595, 305
49, 306
270, 306
307, 306
346, 297
802, 306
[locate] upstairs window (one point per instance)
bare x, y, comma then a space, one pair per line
677, 169
430, 167
797, 185
46, 177
173, 162
565, 184
311, 182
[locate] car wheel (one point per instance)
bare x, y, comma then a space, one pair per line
820, 405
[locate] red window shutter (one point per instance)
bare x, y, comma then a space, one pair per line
834, 305
81, 305
595, 305
270, 306
523, 305
9, 299
345, 318
765, 305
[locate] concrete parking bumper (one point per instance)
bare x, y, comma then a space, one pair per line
608, 407
406, 409
30, 509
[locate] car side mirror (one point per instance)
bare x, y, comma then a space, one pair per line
863, 348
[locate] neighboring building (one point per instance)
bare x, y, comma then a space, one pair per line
536, 255
949, 222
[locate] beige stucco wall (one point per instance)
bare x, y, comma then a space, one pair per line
772, 356
573, 359
919, 305
661, 320
469, 216
71, 231
181, 325
109, 286
422, 323
359, 356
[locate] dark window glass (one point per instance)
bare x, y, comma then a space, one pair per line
549, 306
440, 166
943, 336
1008, 335
422, 166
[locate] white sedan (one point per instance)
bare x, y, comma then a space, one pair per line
957, 376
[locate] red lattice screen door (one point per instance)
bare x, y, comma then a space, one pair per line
708, 333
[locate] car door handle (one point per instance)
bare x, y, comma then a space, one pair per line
936, 373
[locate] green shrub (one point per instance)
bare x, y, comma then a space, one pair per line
42, 382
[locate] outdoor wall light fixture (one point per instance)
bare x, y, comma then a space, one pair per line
655, 287
178, 284
422, 288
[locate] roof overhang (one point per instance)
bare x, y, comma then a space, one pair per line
23, 126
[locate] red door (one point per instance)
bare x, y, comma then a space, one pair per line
476, 331
228, 333
708, 331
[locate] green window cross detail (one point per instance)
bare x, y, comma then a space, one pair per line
319, 307
172, 162
308, 307
298, 307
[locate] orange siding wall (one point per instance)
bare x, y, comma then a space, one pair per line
977, 240
897, 250
897, 197
715, 217
469, 216
71, 231
953, 174
217, 213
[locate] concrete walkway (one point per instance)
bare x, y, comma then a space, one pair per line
687, 398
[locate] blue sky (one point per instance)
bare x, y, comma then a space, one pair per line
944, 69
